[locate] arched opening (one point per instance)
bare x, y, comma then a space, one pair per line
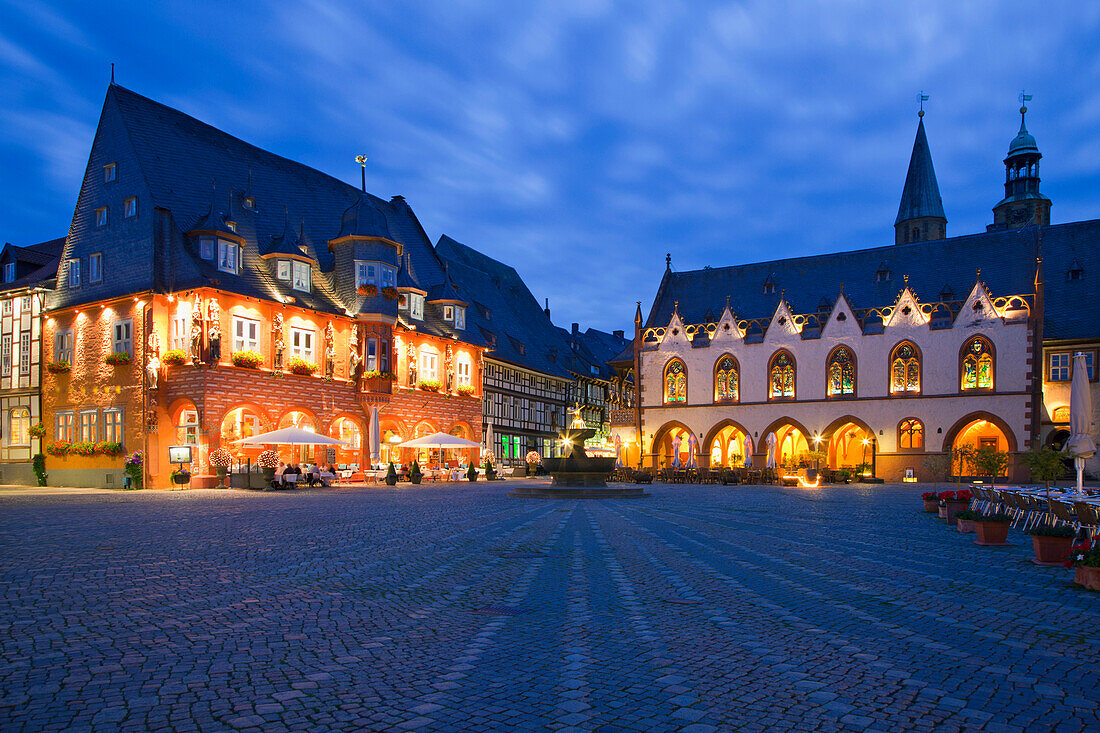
727, 377
910, 435
781, 376
840, 373
792, 447
185, 422
458, 457
300, 453
672, 440
974, 432
675, 382
348, 431
242, 422
905, 369
389, 436
1057, 438
976, 365
726, 445
849, 445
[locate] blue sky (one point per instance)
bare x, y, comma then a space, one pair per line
580, 141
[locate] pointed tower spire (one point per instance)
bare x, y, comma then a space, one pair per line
920, 215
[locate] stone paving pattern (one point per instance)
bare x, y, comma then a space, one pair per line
447, 608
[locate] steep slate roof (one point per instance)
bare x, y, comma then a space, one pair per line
514, 316
1006, 259
35, 264
921, 195
179, 156
593, 348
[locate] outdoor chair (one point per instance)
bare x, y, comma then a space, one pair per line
1064, 513
1088, 517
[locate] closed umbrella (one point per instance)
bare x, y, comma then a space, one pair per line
1080, 444
770, 443
693, 448
676, 452
732, 450
374, 438
489, 437
748, 452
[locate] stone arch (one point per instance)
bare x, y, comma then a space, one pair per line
317, 422
952, 433
837, 448
659, 436
706, 449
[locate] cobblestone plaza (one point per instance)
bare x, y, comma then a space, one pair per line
456, 607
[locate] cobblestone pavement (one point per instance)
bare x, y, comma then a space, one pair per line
458, 608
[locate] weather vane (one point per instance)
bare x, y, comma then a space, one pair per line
922, 98
1024, 99
362, 161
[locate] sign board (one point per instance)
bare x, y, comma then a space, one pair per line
179, 454
910, 476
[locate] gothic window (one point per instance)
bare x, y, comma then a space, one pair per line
840, 371
781, 377
977, 364
675, 382
726, 380
911, 434
905, 369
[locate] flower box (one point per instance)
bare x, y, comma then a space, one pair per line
247, 359
931, 502
367, 290
59, 448
109, 448
992, 530
83, 448
429, 385
389, 293
301, 367
174, 357
466, 390
59, 367
119, 358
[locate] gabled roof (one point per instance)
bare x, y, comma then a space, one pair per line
593, 348
1006, 259
36, 264
921, 195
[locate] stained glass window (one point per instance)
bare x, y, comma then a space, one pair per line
675, 382
842, 373
905, 369
726, 387
781, 377
977, 366
911, 434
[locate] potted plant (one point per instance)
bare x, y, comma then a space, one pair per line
268, 461
1045, 464
174, 357
990, 462
931, 501
961, 502
367, 290
37, 430
490, 474
391, 475
39, 464
965, 521
301, 367
221, 459
59, 448
944, 497
1051, 544
132, 467
181, 476
414, 472
119, 358
992, 529
59, 367
1085, 561
429, 385
466, 390
471, 473
532, 460
247, 359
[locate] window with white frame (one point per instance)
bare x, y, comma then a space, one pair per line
180, 330
462, 371
246, 334
301, 343
19, 427
25, 303
74, 273
301, 272
187, 432
63, 425
5, 355
448, 313
429, 364
460, 317
7, 307
282, 269
416, 305
25, 353
110, 172
228, 255
101, 216
123, 335
378, 274
206, 248
129, 207
63, 346
384, 356
389, 276
112, 424
95, 267
9, 272
88, 426
372, 354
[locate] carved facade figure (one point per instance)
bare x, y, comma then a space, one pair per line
214, 319
152, 370
355, 361
410, 357
196, 330
330, 351
278, 341
448, 367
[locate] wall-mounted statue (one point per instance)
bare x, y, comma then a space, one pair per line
330, 351
410, 357
152, 370
214, 321
278, 341
448, 367
196, 330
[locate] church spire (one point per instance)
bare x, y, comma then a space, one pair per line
920, 215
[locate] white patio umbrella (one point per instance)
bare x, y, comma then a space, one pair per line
748, 452
442, 441
289, 436
732, 449
1080, 444
489, 437
374, 440
693, 448
770, 443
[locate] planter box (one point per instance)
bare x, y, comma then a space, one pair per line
1087, 577
943, 511
953, 508
966, 526
992, 533
931, 506
1050, 550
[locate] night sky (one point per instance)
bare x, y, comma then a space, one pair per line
580, 141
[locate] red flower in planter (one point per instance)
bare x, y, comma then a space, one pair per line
946, 496
930, 496
963, 495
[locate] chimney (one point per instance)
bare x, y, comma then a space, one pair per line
576, 328
618, 334
546, 310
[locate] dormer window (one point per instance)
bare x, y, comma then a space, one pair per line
883, 273
248, 202
378, 274
769, 285
282, 269
460, 317
9, 272
129, 207
206, 248
232, 225
947, 294
416, 305
1076, 272
301, 272
824, 306
403, 301
110, 172
448, 313
228, 256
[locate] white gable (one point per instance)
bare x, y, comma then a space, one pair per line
977, 308
782, 326
726, 331
846, 327
675, 333
906, 313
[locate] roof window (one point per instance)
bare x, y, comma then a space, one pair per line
1075, 272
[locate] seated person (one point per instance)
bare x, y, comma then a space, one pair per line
279, 473
313, 475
